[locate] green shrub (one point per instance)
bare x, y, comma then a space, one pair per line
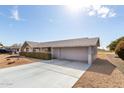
39, 55
120, 50
113, 44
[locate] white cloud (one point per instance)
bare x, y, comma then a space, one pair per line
91, 13
112, 14
93, 10
103, 11
15, 14
100, 11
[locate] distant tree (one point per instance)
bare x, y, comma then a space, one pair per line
120, 49
114, 43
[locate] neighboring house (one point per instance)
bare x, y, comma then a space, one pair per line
30, 46
16, 48
81, 49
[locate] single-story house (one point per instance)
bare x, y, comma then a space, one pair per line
81, 49
16, 48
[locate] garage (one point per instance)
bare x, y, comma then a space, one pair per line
84, 49
71, 53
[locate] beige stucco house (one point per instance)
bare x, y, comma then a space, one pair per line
81, 49
16, 48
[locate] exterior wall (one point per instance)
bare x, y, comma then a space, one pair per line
30, 49
74, 53
94, 53
77, 53
36, 49
90, 55
16, 50
45, 50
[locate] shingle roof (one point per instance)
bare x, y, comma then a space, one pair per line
16, 46
73, 42
67, 43
33, 44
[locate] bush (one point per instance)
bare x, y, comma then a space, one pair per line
113, 44
39, 55
120, 50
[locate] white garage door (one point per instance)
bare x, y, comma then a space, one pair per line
80, 54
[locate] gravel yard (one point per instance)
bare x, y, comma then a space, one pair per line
13, 60
102, 74
119, 63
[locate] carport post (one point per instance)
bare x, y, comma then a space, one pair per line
89, 55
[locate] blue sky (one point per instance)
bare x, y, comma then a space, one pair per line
48, 23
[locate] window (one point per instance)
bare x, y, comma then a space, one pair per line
34, 50
27, 49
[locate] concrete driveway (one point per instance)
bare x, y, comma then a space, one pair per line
49, 74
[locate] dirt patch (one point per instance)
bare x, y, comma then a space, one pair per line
13, 60
102, 74
115, 60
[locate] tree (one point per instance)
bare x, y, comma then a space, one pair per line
120, 49
114, 43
